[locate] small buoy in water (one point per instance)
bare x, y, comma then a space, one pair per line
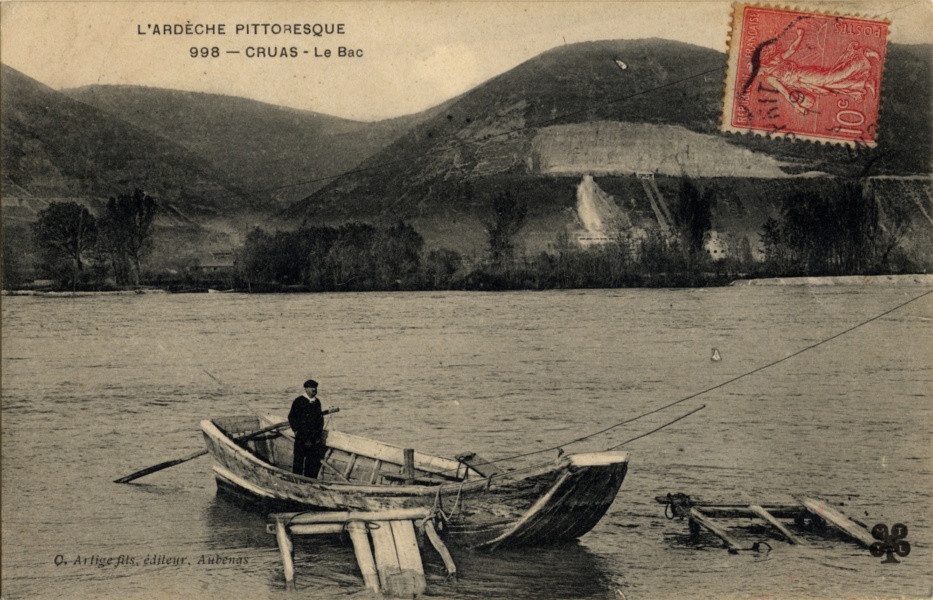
715, 357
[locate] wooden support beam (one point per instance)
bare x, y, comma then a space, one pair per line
350, 463
417, 480
438, 544
736, 511
384, 552
745, 513
317, 529
285, 549
364, 554
701, 519
390, 565
411, 581
377, 466
793, 539
838, 520
409, 466
344, 516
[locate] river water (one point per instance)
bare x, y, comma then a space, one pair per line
97, 387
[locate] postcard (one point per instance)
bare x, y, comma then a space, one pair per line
498, 299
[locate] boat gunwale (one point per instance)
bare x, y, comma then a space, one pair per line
211, 429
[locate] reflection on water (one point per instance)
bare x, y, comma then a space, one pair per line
569, 571
98, 387
233, 523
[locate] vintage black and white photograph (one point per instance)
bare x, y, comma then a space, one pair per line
611, 300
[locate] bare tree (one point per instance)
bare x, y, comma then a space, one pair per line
66, 230
127, 231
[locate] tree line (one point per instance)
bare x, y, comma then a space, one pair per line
355, 256
843, 229
359, 256
76, 248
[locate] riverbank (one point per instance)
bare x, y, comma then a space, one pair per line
75, 294
862, 280
662, 282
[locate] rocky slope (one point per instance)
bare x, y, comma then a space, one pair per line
538, 129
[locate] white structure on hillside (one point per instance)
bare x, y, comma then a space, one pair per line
598, 213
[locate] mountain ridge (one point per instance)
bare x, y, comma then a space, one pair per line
54, 146
536, 129
490, 140
279, 152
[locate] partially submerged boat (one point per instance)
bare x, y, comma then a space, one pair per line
476, 504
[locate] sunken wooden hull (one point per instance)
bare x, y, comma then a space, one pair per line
477, 507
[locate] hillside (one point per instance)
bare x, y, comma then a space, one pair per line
282, 153
537, 129
57, 148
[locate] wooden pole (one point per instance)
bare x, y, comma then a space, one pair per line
178, 461
285, 549
344, 516
438, 544
409, 466
317, 529
364, 554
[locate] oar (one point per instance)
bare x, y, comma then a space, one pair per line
178, 461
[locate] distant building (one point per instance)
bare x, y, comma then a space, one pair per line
716, 245
215, 262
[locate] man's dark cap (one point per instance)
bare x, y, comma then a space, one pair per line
310, 383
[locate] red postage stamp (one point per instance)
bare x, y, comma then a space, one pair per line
804, 75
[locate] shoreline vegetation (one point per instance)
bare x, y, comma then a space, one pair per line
843, 231
921, 279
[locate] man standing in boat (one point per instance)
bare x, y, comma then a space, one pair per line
307, 421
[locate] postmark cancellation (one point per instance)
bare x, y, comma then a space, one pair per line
804, 75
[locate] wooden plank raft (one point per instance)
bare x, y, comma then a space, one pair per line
384, 543
700, 515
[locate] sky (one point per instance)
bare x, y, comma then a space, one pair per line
414, 54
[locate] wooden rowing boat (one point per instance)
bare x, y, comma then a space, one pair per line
478, 505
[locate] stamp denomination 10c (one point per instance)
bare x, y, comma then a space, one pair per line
804, 75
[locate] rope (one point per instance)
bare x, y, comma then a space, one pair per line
436, 507
718, 385
658, 429
689, 397
458, 501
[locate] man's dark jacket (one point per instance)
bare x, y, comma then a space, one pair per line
307, 421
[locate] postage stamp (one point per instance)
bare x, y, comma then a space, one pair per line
804, 75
